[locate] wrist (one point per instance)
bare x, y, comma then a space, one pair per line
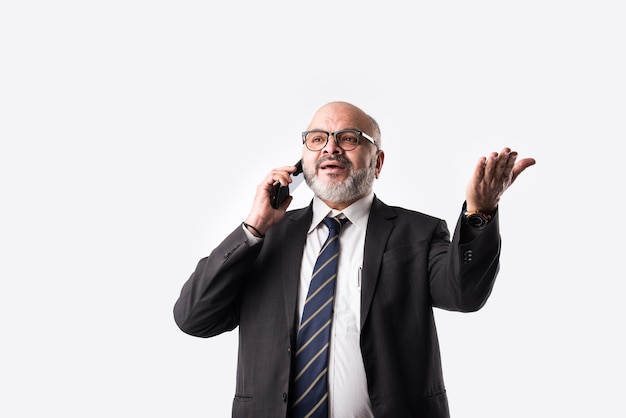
489, 210
253, 230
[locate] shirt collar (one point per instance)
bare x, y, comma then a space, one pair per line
357, 213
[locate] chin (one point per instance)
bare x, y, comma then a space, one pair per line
338, 188
332, 179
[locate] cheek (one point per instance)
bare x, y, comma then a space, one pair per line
363, 161
308, 166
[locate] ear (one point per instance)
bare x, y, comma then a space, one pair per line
380, 159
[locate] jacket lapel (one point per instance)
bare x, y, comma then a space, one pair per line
297, 226
379, 227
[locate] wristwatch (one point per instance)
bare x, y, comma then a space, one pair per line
477, 219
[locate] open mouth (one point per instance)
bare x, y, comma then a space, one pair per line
332, 165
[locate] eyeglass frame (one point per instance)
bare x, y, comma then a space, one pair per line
328, 134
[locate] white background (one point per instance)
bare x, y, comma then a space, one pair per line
133, 135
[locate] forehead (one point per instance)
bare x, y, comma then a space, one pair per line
339, 116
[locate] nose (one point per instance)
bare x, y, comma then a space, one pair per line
331, 146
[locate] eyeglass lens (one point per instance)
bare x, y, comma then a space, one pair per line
347, 139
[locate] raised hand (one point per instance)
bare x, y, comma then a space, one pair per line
262, 215
492, 176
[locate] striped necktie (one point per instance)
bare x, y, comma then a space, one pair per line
310, 385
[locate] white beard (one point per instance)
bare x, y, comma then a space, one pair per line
358, 184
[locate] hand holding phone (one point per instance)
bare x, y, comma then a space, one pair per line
278, 193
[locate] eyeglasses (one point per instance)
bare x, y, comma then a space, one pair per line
346, 139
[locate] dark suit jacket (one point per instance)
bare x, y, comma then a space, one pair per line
409, 266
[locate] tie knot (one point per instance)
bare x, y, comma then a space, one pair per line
335, 224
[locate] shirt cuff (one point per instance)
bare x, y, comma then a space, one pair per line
252, 239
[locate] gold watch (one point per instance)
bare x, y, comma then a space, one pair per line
477, 219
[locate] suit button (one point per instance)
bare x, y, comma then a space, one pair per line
284, 397
467, 256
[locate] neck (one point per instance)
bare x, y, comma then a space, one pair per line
341, 205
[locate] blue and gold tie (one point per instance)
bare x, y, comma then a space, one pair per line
310, 385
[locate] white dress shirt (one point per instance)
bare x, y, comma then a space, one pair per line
346, 377
347, 382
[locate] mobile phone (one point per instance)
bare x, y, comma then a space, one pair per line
278, 193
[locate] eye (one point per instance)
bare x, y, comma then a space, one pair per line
351, 138
316, 140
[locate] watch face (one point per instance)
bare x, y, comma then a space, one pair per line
476, 221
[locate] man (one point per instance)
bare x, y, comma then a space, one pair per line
383, 356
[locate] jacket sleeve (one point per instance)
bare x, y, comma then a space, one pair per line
208, 304
463, 272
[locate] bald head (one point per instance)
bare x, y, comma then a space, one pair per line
344, 115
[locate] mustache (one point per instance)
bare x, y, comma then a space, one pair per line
338, 158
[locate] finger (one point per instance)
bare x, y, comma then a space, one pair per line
520, 166
508, 162
287, 168
284, 173
502, 163
491, 166
279, 175
479, 170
